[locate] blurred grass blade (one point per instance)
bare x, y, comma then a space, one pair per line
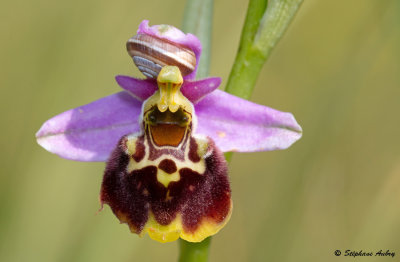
197, 20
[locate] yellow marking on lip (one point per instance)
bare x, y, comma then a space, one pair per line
165, 178
202, 147
163, 233
168, 197
207, 228
131, 146
199, 167
171, 232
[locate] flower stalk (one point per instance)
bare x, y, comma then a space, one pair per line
194, 252
266, 21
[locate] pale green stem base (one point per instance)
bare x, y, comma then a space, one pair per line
194, 252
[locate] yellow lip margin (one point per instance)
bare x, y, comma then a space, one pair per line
171, 232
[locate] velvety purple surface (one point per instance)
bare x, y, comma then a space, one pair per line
239, 125
90, 132
196, 90
193, 90
139, 88
174, 35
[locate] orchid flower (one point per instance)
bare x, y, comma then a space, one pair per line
163, 138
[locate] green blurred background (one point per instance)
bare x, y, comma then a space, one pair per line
337, 69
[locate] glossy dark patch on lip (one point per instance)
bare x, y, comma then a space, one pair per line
167, 134
167, 128
155, 153
195, 196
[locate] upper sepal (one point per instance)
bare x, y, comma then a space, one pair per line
239, 125
141, 89
90, 132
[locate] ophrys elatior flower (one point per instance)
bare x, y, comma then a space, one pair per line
163, 139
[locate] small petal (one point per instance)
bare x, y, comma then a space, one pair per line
90, 132
141, 89
236, 124
192, 90
196, 90
174, 35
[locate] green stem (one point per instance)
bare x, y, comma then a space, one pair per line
266, 21
190, 252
